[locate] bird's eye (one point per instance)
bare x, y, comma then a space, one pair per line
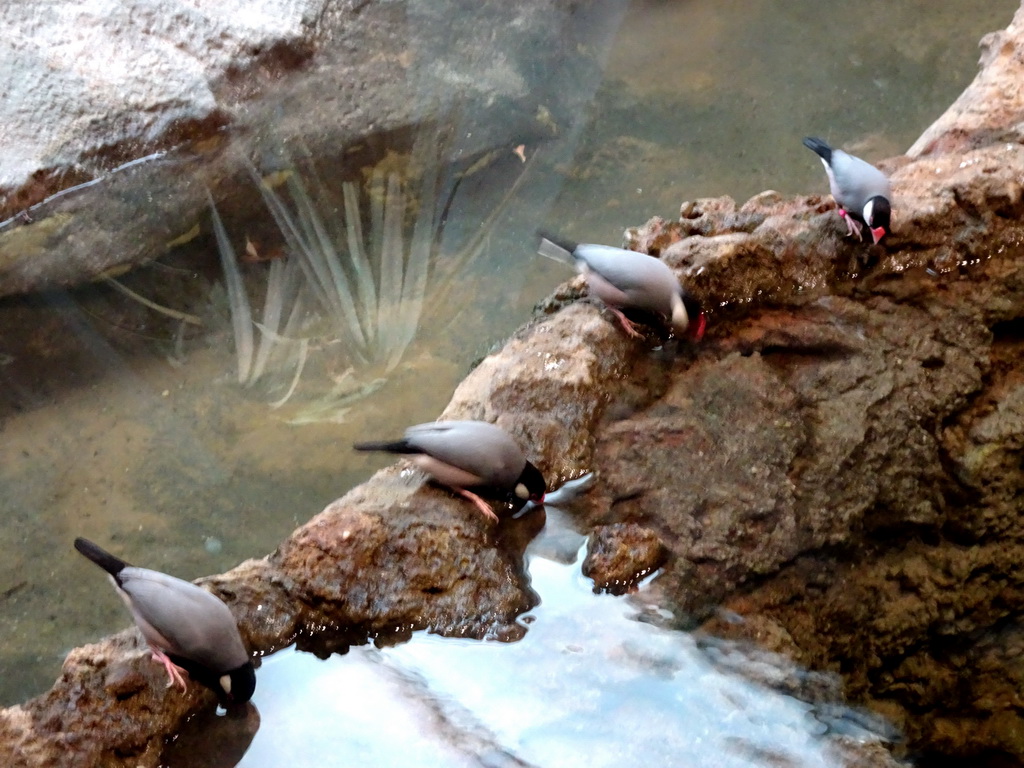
522, 491
225, 683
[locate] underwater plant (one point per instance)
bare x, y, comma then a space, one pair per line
353, 296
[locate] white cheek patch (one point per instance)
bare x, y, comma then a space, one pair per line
869, 210
522, 492
225, 683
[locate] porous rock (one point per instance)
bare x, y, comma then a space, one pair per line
620, 555
394, 557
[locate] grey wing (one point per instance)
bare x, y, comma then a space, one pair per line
194, 623
478, 447
853, 181
646, 282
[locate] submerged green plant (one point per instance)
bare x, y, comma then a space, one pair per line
353, 296
241, 314
372, 313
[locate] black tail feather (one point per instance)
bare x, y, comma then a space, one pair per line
819, 147
394, 446
102, 558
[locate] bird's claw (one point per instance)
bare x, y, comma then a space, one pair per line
173, 670
852, 228
627, 325
479, 503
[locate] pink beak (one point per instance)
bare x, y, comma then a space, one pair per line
877, 234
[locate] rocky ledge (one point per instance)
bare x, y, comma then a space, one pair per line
838, 465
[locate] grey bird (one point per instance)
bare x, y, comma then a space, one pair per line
187, 628
861, 191
464, 455
630, 280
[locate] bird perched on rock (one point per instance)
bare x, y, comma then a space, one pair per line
861, 191
463, 455
187, 628
629, 280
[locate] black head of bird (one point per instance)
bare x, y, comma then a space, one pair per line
877, 214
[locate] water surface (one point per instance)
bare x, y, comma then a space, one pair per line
593, 683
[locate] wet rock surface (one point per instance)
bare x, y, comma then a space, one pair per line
838, 466
806, 427
620, 555
351, 590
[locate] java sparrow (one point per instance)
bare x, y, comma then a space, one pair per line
187, 628
861, 191
630, 280
470, 454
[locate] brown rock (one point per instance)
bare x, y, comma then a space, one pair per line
620, 555
991, 109
392, 558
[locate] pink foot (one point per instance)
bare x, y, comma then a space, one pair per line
482, 505
627, 324
173, 670
852, 228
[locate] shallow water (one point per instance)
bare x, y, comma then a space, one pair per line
593, 683
114, 431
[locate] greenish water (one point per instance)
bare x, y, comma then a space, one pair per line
115, 429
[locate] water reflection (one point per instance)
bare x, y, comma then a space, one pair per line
588, 685
214, 739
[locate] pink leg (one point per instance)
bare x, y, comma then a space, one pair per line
173, 670
627, 324
852, 228
482, 505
